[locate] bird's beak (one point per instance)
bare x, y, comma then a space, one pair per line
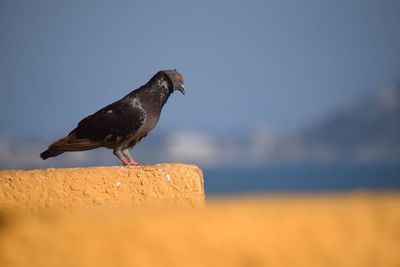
181, 88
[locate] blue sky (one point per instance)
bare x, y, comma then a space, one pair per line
276, 64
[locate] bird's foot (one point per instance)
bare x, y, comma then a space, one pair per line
132, 163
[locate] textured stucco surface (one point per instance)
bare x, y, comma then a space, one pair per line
68, 189
149, 216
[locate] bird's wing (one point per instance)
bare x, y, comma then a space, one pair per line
103, 128
116, 120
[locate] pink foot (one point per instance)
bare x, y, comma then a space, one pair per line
131, 163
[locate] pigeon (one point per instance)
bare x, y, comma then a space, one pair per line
122, 124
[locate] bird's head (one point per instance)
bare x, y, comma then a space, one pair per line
175, 79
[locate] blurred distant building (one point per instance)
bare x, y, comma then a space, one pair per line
367, 131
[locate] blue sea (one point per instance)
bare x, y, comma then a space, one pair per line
301, 179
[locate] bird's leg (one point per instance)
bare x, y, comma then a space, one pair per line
121, 156
131, 161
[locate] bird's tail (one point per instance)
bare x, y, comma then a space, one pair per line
69, 143
50, 153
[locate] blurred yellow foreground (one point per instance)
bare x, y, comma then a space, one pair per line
337, 230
